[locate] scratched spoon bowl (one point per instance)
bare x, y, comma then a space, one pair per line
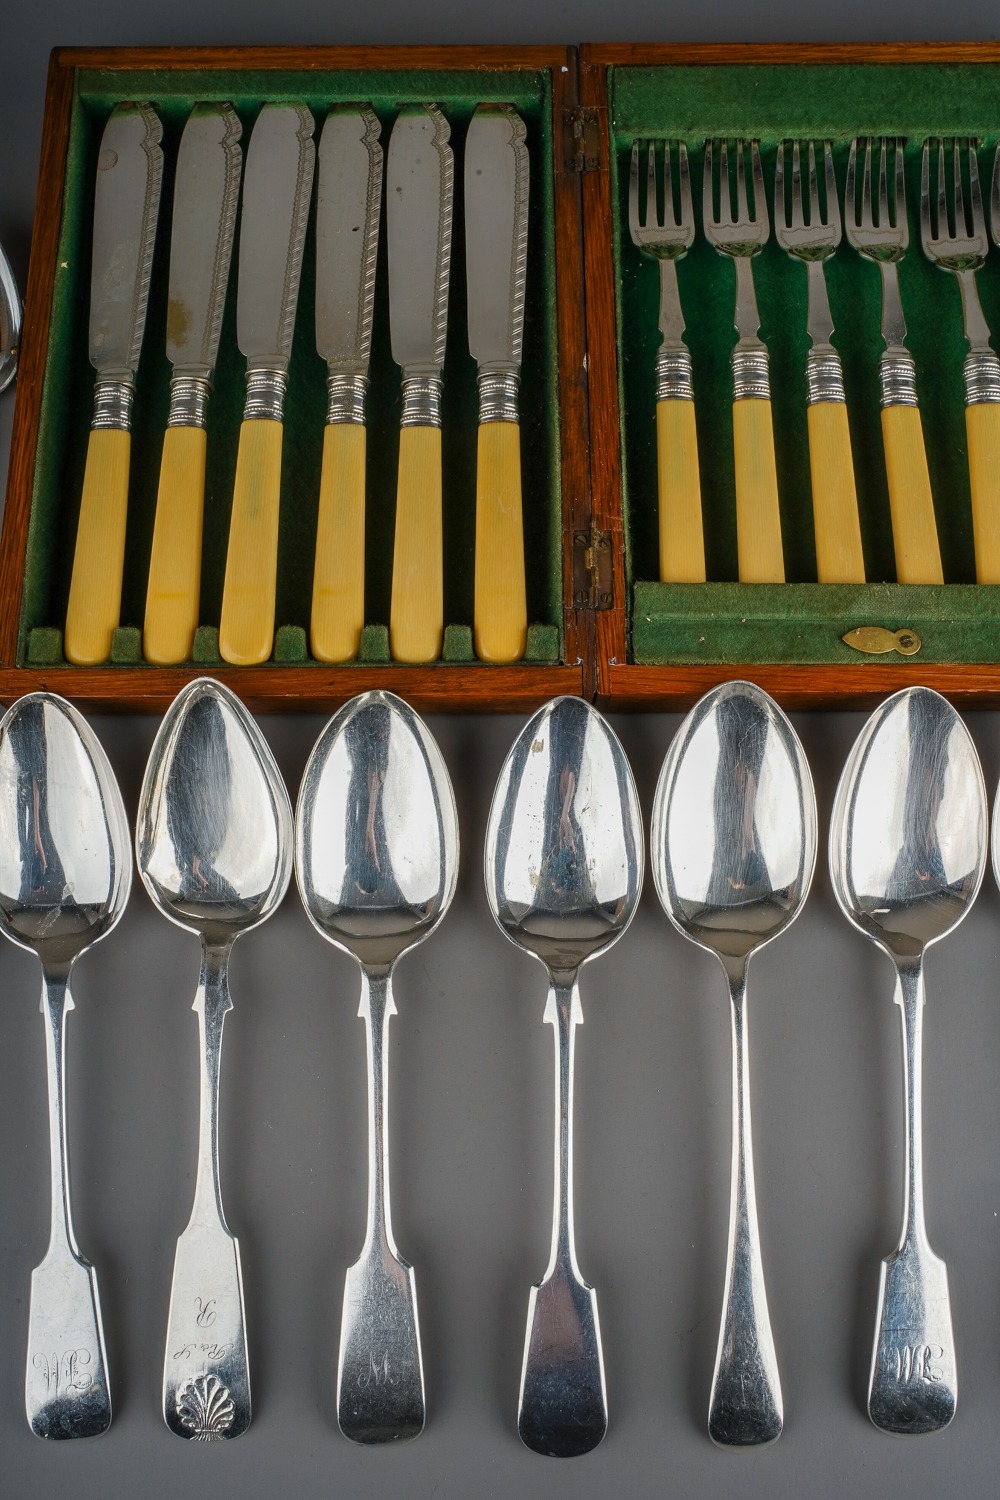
907, 856
376, 859
733, 852
65, 875
214, 848
564, 856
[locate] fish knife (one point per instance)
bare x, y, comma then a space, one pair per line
496, 241
126, 206
277, 186
348, 203
206, 191
419, 183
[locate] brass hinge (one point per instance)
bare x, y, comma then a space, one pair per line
582, 150
593, 574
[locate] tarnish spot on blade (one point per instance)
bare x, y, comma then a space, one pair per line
178, 319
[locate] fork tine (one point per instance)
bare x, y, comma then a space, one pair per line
669, 216
975, 196
851, 187
995, 198
926, 231
815, 213
652, 218
943, 225
798, 221
900, 204
780, 211
961, 223
633, 191
742, 211
759, 200
866, 186
708, 197
687, 209
883, 187
832, 201
725, 187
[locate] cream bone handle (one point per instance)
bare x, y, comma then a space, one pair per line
174, 587
682, 537
982, 426
246, 626
911, 504
95, 591
416, 611
500, 614
338, 599
839, 555
758, 517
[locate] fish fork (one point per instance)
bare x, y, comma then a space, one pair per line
911, 504
964, 251
839, 557
666, 239
741, 236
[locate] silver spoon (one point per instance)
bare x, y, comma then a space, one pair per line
65, 874
733, 851
907, 855
376, 859
563, 876
213, 842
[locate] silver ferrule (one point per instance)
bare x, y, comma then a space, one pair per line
498, 397
189, 401
750, 377
982, 377
673, 375
897, 374
345, 398
113, 404
421, 401
265, 395
824, 378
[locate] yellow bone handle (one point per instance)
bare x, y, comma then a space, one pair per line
501, 610
682, 538
758, 519
246, 628
982, 426
174, 587
95, 591
338, 599
914, 530
416, 612
839, 558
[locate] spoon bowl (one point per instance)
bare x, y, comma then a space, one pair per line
563, 876
376, 859
907, 857
65, 875
213, 843
733, 852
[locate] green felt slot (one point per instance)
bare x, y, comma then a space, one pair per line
768, 102
67, 397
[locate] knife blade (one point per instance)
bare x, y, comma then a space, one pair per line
206, 190
126, 206
277, 187
348, 203
420, 178
496, 245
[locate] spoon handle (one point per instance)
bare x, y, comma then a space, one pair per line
745, 1408
380, 1377
913, 1385
563, 1408
66, 1385
206, 1378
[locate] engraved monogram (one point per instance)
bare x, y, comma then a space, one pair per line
206, 1314
210, 1351
64, 1372
378, 1372
915, 1363
205, 1408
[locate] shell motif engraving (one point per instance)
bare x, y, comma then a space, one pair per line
205, 1407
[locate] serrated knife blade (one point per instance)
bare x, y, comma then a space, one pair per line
348, 209
497, 171
277, 188
126, 208
206, 193
419, 185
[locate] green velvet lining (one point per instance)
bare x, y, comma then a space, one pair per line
688, 623
769, 102
67, 397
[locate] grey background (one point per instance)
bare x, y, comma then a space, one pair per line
471, 1068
